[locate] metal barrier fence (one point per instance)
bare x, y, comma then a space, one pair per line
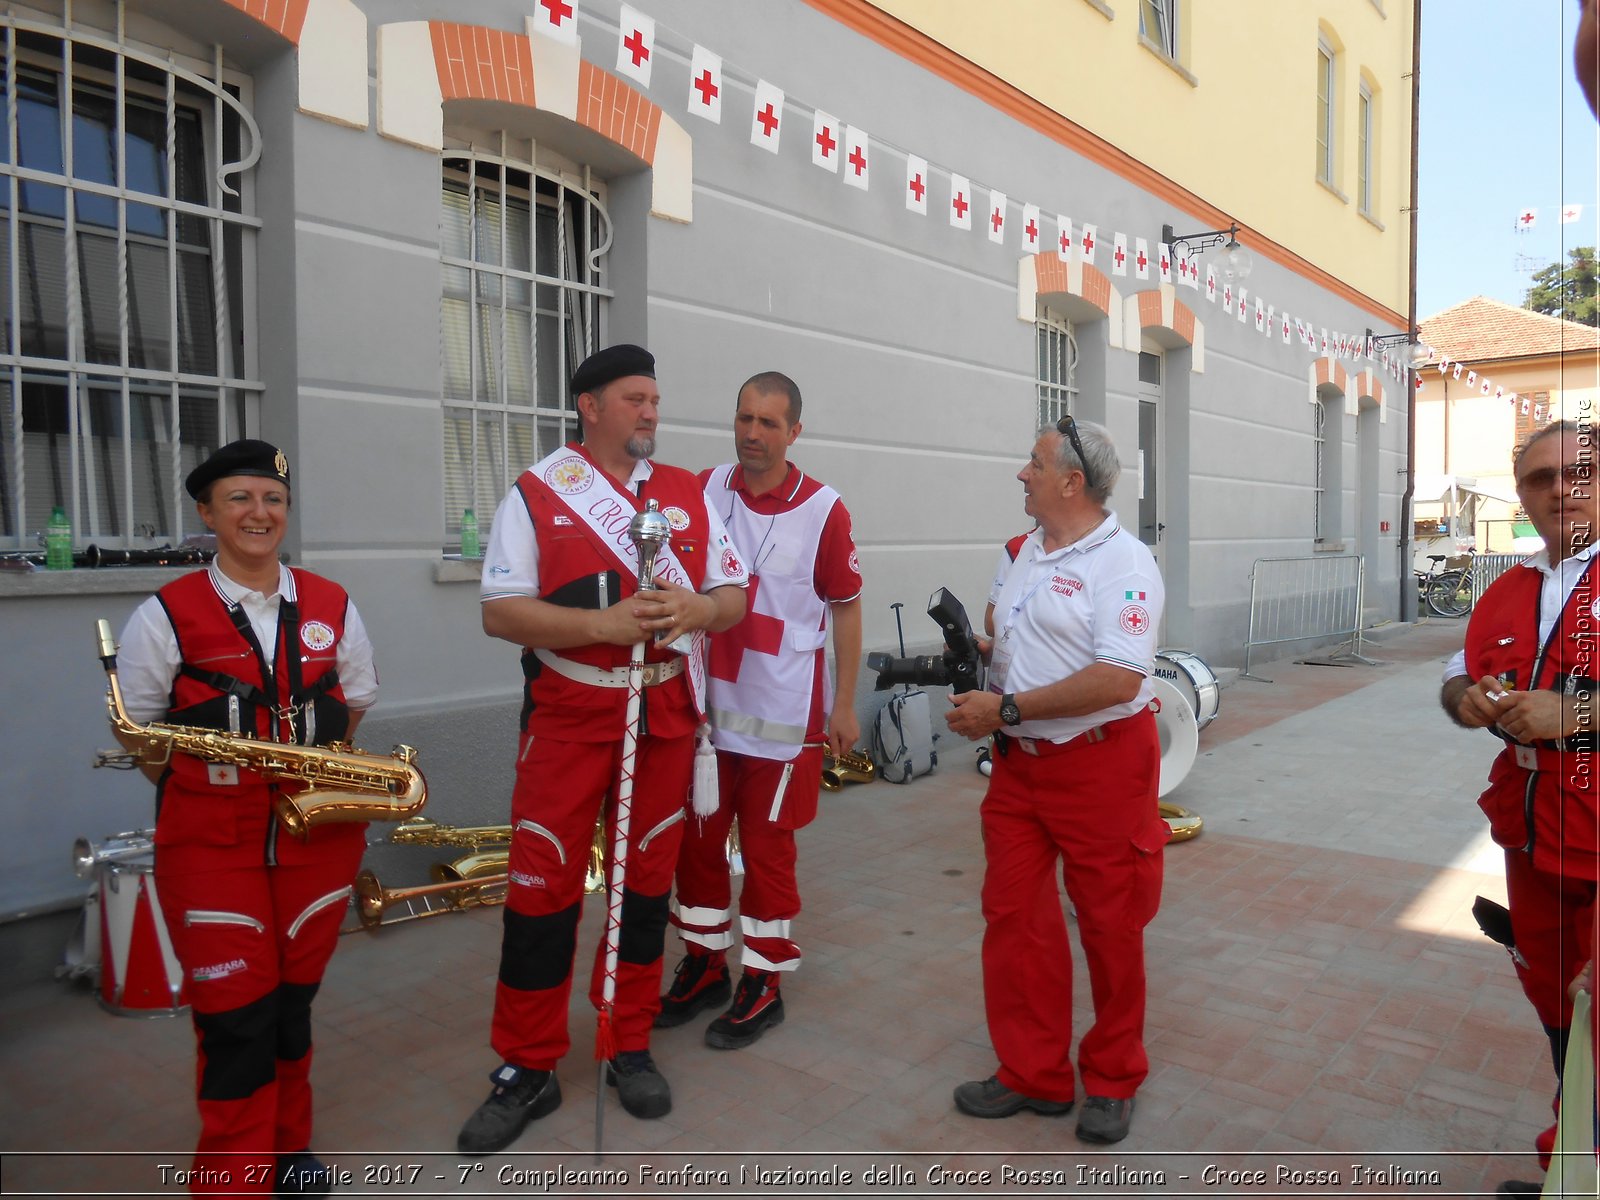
1298, 599
1486, 568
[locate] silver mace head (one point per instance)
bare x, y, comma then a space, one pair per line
650, 531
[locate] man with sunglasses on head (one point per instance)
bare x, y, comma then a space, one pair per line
1528, 673
1076, 767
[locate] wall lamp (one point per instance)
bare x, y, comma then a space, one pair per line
1414, 356
1236, 262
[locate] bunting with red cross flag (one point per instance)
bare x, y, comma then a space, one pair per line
1242, 293
960, 202
825, 142
997, 216
1141, 259
855, 157
917, 184
1285, 329
1227, 299
1164, 261
766, 122
705, 85
1211, 284
1119, 254
1064, 238
1031, 230
636, 45
556, 19
1086, 242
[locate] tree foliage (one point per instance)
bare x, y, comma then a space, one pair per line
1570, 291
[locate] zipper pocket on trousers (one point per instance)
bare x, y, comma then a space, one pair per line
535, 828
201, 916
317, 906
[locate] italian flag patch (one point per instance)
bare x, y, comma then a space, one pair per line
1133, 596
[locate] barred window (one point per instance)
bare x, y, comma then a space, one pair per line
1058, 367
1319, 474
124, 360
523, 303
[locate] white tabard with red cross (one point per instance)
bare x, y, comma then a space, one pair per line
764, 669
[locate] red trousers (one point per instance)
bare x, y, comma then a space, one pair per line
762, 794
254, 941
560, 790
1092, 806
1552, 918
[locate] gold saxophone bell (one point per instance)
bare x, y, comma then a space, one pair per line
1183, 823
853, 766
419, 831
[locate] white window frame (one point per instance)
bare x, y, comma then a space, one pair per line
1056, 365
1327, 101
116, 495
1319, 470
1364, 155
1163, 14
496, 426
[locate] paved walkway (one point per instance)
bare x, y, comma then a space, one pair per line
1320, 1001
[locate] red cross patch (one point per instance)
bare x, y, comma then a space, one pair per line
1134, 619
730, 565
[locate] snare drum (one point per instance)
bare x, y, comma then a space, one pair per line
1194, 679
139, 972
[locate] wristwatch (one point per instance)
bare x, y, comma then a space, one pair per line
1010, 714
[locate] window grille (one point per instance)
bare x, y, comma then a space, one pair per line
124, 319
523, 303
1058, 367
1319, 438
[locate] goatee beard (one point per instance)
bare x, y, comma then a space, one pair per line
641, 447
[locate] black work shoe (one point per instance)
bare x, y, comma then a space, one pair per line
640, 1085
757, 1007
301, 1174
1520, 1188
520, 1095
991, 1098
1103, 1119
701, 982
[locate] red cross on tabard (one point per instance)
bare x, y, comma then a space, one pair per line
917, 186
858, 160
1088, 244
1120, 256
997, 219
636, 47
768, 120
757, 632
1142, 261
559, 10
826, 141
707, 89
1032, 230
960, 205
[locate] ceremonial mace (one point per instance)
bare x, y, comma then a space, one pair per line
649, 531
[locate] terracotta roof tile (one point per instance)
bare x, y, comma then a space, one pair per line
1484, 330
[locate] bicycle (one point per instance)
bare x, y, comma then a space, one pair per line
1447, 593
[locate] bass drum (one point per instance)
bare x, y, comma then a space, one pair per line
1179, 734
1194, 679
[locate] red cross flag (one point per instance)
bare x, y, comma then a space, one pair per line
1456, 372
825, 142
1242, 293
1063, 238
705, 85
1285, 329
1227, 298
997, 216
1164, 261
1087, 243
1571, 213
557, 19
1031, 230
1211, 284
1524, 406
1499, 393
1483, 388
960, 202
1527, 219
1263, 317
767, 120
1141, 259
855, 157
1119, 254
636, 46
917, 184
1324, 341
1472, 378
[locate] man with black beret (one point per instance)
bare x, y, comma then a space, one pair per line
560, 580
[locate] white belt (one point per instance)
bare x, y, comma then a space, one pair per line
609, 677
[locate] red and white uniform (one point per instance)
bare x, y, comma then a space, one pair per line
1538, 628
560, 535
253, 913
1078, 789
770, 695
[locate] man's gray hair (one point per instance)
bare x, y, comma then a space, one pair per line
1103, 468
1582, 432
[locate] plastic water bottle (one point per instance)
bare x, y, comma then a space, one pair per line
469, 535
58, 541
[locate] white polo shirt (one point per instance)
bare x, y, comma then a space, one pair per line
1097, 600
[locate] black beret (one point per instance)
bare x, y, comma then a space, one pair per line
244, 457
614, 362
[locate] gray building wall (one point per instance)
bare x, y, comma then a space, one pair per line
903, 335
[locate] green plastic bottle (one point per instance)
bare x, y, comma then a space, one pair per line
58, 541
469, 535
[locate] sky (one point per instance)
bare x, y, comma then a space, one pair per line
1503, 128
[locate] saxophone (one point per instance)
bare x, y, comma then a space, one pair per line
342, 783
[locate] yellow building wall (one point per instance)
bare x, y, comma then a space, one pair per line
1234, 121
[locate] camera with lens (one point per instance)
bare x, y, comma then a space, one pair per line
960, 666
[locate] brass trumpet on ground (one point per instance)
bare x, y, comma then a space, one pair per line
343, 784
853, 766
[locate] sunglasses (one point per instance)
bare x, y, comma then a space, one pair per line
1574, 474
1068, 428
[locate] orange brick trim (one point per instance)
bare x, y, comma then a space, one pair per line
1052, 276
475, 63
1150, 309
285, 17
1329, 371
1367, 384
617, 112
1153, 314
917, 47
